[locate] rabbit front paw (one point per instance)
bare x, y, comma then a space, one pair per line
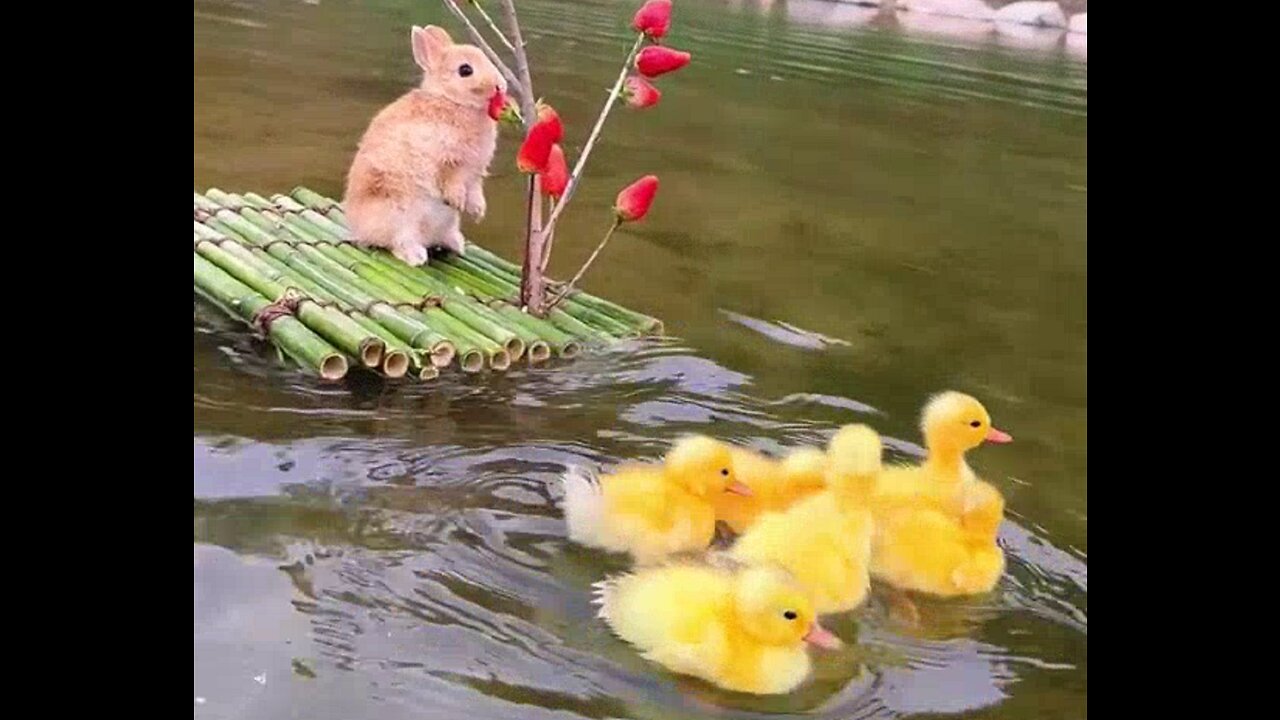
414, 255
455, 196
475, 203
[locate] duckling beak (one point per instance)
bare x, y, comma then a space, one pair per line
998, 436
737, 488
822, 637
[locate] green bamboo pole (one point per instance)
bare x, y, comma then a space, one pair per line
474, 314
544, 332
560, 326
425, 341
398, 357
503, 344
333, 257
288, 333
587, 314
340, 330
423, 369
412, 357
498, 358
607, 316
411, 326
498, 265
415, 333
539, 336
567, 323
313, 199
560, 329
477, 276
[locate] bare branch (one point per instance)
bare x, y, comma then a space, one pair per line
586, 152
480, 9
522, 62
513, 83
531, 281
568, 288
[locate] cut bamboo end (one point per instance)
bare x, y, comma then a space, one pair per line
428, 373
471, 361
570, 350
500, 360
333, 367
371, 352
442, 354
538, 352
514, 347
395, 364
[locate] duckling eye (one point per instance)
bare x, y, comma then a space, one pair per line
465, 70
976, 423
725, 472
790, 614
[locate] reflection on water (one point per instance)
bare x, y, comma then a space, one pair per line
373, 550
431, 562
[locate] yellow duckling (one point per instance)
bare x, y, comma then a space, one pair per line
652, 511
936, 522
825, 540
743, 628
775, 485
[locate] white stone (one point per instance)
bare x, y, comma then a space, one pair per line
1028, 36
1077, 44
1037, 14
1077, 24
915, 23
822, 12
968, 9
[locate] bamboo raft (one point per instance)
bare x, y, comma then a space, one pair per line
286, 266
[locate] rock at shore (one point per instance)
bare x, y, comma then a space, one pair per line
968, 9
1036, 14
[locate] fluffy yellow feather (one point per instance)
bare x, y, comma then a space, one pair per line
936, 522
824, 540
775, 485
743, 628
652, 511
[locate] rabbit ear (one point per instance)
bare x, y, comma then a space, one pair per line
428, 44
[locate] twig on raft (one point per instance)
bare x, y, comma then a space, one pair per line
532, 293
568, 287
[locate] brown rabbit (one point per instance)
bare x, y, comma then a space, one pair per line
424, 158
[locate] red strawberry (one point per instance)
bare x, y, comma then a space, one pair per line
634, 200
640, 93
653, 18
657, 60
556, 177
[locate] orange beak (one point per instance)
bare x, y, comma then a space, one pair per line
738, 488
819, 636
998, 436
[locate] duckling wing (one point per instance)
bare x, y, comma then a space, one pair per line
670, 613
982, 511
918, 549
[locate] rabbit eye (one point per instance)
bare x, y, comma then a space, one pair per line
465, 70
790, 614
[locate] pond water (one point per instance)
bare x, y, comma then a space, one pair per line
853, 214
